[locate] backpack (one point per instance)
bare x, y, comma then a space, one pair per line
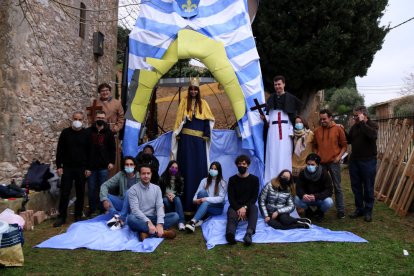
37, 176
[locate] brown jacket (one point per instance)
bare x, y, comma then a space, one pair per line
114, 113
329, 141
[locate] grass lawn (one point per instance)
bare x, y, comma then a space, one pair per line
388, 235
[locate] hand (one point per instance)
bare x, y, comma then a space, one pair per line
106, 204
275, 214
198, 201
337, 159
361, 117
307, 198
87, 173
242, 213
160, 230
151, 228
59, 172
267, 219
170, 197
110, 166
262, 117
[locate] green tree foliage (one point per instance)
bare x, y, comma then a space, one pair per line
344, 100
183, 68
330, 91
122, 41
317, 44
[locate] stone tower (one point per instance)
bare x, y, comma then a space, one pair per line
48, 70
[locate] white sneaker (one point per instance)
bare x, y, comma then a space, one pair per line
199, 223
190, 227
181, 226
113, 221
116, 226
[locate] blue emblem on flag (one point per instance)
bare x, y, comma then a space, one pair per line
186, 8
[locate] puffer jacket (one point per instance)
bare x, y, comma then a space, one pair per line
272, 199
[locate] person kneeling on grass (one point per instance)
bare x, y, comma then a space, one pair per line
314, 188
147, 209
172, 184
276, 204
117, 205
242, 193
209, 196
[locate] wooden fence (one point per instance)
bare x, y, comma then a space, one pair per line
394, 183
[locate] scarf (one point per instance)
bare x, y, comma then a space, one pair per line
313, 176
300, 140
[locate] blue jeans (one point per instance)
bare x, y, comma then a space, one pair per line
95, 181
139, 225
206, 208
362, 174
323, 205
334, 170
176, 206
119, 206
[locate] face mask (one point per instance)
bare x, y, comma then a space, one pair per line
213, 172
284, 181
173, 171
242, 169
77, 124
311, 168
146, 157
100, 123
299, 126
129, 169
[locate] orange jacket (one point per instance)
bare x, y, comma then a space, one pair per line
329, 141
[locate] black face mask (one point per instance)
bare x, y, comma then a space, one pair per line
284, 182
146, 157
100, 123
242, 169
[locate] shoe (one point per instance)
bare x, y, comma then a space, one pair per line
169, 234
190, 227
230, 238
113, 220
340, 215
356, 214
59, 222
319, 215
117, 226
304, 220
309, 213
368, 217
302, 224
181, 226
143, 236
199, 223
247, 239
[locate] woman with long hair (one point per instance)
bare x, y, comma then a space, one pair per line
191, 140
172, 184
302, 145
209, 196
276, 204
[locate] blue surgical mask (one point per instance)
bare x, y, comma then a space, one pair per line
129, 169
213, 172
299, 126
311, 168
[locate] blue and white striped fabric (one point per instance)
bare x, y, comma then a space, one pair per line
226, 21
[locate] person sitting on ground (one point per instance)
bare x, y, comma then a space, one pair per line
209, 196
146, 156
314, 188
147, 209
243, 191
276, 204
172, 184
117, 205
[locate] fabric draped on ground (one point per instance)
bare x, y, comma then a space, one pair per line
95, 235
214, 233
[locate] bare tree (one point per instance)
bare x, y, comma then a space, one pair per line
408, 88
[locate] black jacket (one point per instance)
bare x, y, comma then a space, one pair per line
291, 105
103, 149
321, 189
73, 149
363, 138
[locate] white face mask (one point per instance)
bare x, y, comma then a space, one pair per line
77, 124
213, 172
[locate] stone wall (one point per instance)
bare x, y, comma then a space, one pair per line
47, 71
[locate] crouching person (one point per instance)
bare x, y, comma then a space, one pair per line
276, 204
147, 209
243, 190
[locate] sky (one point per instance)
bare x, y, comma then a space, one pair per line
395, 60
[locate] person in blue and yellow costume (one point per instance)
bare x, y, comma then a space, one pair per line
191, 141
